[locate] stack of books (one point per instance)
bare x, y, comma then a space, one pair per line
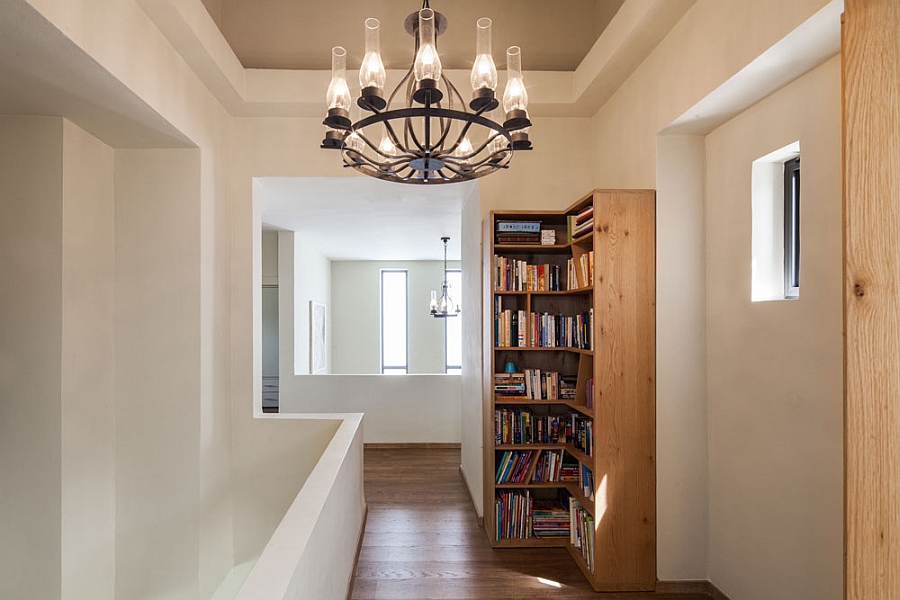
518, 232
580, 223
569, 469
551, 519
567, 387
509, 384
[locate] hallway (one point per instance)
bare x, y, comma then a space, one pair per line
422, 541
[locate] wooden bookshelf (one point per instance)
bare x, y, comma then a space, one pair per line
620, 410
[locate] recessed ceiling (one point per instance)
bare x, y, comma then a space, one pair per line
360, 218
293, 34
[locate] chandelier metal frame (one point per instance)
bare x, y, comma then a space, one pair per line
428, 133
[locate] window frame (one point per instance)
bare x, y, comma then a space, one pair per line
792, 228
395, 369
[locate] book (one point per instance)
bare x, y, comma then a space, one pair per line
519, 226
512, 514
550, 519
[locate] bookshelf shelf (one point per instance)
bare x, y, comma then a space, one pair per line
543, 484
533, 542
581, 456
575, 553
582, 290
613, 243
543, 349
573, 488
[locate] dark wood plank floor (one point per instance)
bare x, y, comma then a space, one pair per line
422, 541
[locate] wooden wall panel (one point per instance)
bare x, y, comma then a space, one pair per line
871, 96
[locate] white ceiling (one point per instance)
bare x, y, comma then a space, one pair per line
360, 218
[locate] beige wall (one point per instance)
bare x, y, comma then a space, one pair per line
356, 311
31, 170
775, 368
712, 43
88, 355
157, 372
220, 358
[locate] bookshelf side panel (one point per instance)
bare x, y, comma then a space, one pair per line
625, 381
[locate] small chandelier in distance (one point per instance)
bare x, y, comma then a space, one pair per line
444, 306
423, 132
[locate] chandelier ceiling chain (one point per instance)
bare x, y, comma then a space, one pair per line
424, 132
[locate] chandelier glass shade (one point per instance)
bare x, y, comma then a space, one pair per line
444, 306
424, 131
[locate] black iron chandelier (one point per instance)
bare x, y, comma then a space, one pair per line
444, 306
424, 132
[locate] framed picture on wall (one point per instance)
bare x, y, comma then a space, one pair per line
316, 337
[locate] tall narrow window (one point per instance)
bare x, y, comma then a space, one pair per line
792, 228
394, 337
453, 328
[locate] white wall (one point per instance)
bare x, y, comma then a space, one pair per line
31, 216
157, 372
681, 428
56, 355
269, 307
398, 409
713, 42
471, 406
775, 368
304, 275
270, 257
269, 470
356, 315
709, 47
88, 394
311, 555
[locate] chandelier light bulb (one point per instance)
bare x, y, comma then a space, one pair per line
338, 94
386, 146
434, 302
515, 97
484, 72
497, 144
427, 64
371, 73
464, 149
355, 142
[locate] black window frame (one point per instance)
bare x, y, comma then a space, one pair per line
792, 228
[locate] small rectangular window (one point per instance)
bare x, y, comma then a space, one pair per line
792, 228
453, 328
394, 322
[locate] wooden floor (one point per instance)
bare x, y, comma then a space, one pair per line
422, 541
